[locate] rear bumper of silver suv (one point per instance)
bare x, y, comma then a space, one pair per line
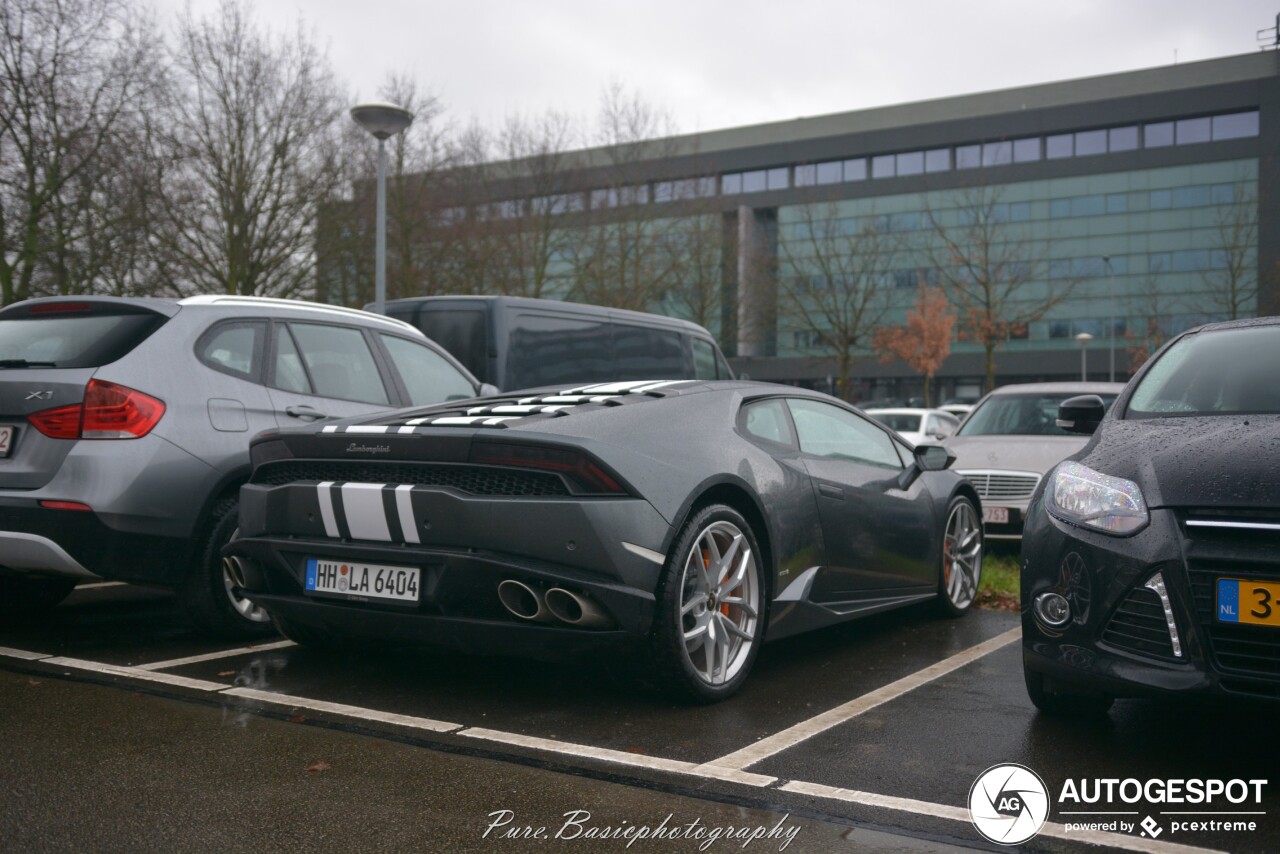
34, 553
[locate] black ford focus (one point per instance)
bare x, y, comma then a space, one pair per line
1151, 559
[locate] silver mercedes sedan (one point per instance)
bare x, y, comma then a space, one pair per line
1010, 440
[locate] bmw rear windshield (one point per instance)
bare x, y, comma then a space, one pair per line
1214, 372
72, 334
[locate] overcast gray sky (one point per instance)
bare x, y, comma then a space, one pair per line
724, 63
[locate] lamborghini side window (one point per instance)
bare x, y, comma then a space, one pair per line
767, 420
829, 431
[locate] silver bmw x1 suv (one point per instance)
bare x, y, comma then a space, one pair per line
125, 427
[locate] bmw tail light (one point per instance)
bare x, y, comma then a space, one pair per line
584, 472
109, 411
62, 422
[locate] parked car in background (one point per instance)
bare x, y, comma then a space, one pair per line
917, 425
1010, 440
959, 410
1151, 558
125, 428
516, 342
681, 516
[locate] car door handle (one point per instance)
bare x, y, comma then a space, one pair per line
831, 491
304, 412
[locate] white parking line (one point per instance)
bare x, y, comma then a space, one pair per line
1057, 831
341, 709
214, 656
135, 673
23, 654
791, 736
637, 760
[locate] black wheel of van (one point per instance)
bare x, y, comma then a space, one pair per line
210, 594
31, 594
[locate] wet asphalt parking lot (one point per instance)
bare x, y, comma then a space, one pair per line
122, 729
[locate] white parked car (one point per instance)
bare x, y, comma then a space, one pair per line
917, 425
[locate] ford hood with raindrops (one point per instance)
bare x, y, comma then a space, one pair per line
1207, 461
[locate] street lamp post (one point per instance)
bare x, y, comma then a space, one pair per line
383, 121
1084, 338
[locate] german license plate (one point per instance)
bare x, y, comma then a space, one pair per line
996, 515
1255, 602
362, 580
6, 441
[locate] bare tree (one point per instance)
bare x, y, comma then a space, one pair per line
622, 258
695, 245
525, 242
75, 79
420, 205
987, 267
838, 283
1232, 281
253, 129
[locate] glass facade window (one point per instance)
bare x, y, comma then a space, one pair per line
1158, 262
1122, 139
779, 178
1059, 146
807, 175
1059, 329
855, 169
882, 166
1059, 208
1161, 199
705, 187
1091, 142
1224, 194
911, 163
1088, 206
1192, 131
664, 191
829, 173
938, 160
1158, 135
1020, 212
1190, 197
731, 184
754, 181
1117, 203
997, 153
1026, 150
968, 156
1235, 126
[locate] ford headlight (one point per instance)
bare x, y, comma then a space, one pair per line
1082, 496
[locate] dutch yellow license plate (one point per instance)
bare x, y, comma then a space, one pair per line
1253, 602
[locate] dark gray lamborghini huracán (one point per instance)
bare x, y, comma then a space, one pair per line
695, 517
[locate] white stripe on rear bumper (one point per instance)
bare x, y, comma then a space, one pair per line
326, 508
404, 508
366, 519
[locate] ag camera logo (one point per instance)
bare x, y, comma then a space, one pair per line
1008, 804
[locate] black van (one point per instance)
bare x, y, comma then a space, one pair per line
517, 342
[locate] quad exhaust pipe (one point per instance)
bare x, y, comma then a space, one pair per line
555, 605
569, 607
524, 601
